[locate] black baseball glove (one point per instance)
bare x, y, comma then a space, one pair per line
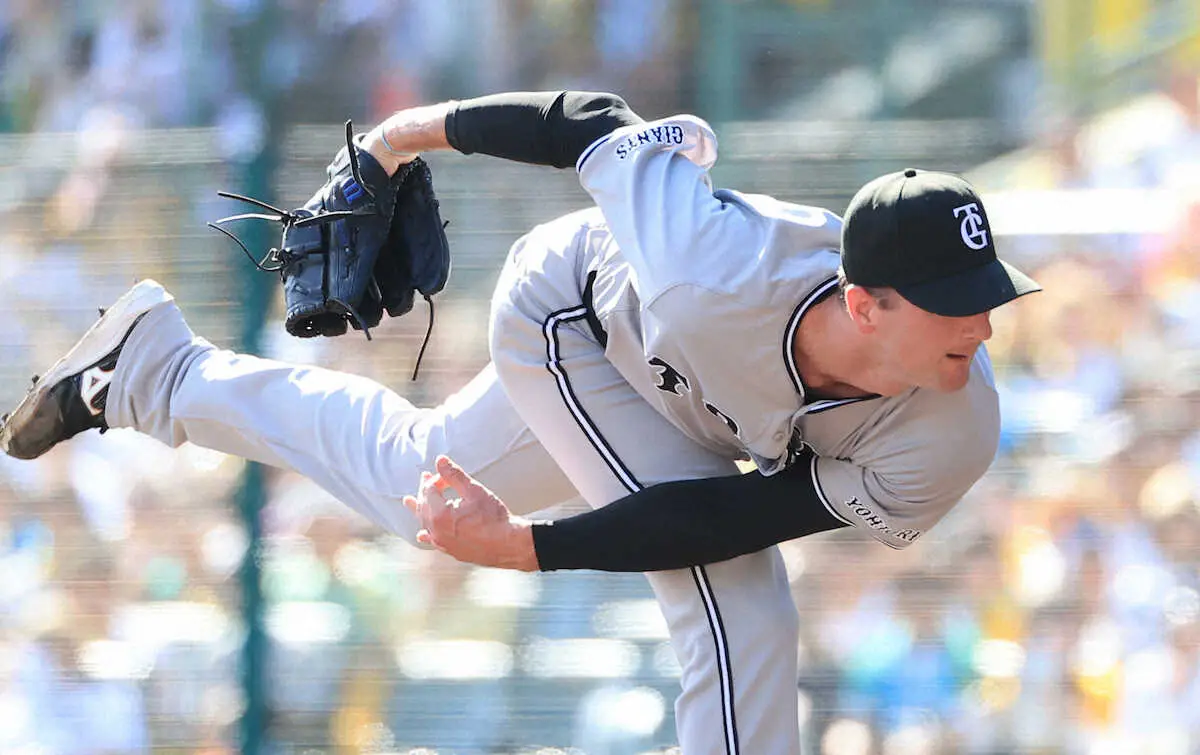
362, 245
417, 254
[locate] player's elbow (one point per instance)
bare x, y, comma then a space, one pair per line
580, 118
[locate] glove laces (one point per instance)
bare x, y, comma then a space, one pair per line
279, 260
425, 340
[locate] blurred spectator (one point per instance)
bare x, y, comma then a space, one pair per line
1058, 611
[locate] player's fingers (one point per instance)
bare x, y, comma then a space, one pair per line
441, 484
455, 476
410, 503
430, 481
424, 538
430, 484
438, 514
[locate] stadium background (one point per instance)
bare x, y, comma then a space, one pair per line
1056, 610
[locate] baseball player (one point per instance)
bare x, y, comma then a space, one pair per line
639, 349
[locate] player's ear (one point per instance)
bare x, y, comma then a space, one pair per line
863, 307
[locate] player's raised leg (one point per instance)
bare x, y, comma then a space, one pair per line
140, 366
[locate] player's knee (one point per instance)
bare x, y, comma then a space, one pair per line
423, 432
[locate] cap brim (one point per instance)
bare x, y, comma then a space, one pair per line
977, 290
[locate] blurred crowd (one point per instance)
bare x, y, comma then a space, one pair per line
1056, 610
65, 64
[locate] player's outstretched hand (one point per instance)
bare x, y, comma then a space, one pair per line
476, 527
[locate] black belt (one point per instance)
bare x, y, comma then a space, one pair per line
592, 320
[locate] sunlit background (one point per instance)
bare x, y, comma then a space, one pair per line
176, 602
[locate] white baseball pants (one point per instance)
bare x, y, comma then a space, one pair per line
549, 417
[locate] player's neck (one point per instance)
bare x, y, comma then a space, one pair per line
834, 359
820, 349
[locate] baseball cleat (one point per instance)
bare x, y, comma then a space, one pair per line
71, 396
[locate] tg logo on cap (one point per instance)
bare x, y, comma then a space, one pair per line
974, 232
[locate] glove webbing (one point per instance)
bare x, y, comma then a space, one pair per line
275, 260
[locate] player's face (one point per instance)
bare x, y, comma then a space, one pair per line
924, 350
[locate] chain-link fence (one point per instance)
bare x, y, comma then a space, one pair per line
1055, 608
124, 596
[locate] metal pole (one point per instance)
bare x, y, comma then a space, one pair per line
254, 177
719, 61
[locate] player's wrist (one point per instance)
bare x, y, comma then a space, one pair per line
522, 555
401, 137
385, 150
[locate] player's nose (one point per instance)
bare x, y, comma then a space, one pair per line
978, 327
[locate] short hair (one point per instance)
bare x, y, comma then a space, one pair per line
881, 294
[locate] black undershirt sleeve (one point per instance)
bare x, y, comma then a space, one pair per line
668, 526
680, 524
543, 128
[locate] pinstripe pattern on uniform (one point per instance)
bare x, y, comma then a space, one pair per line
553, 364
622, 473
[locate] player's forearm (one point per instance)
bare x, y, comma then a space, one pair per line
542, 128
403, 135
681, 524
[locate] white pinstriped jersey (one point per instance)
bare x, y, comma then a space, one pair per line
700, 294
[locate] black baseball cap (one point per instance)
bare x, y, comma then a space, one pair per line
927, 235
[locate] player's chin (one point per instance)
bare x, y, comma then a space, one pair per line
954, 373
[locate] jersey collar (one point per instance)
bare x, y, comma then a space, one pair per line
822, 290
